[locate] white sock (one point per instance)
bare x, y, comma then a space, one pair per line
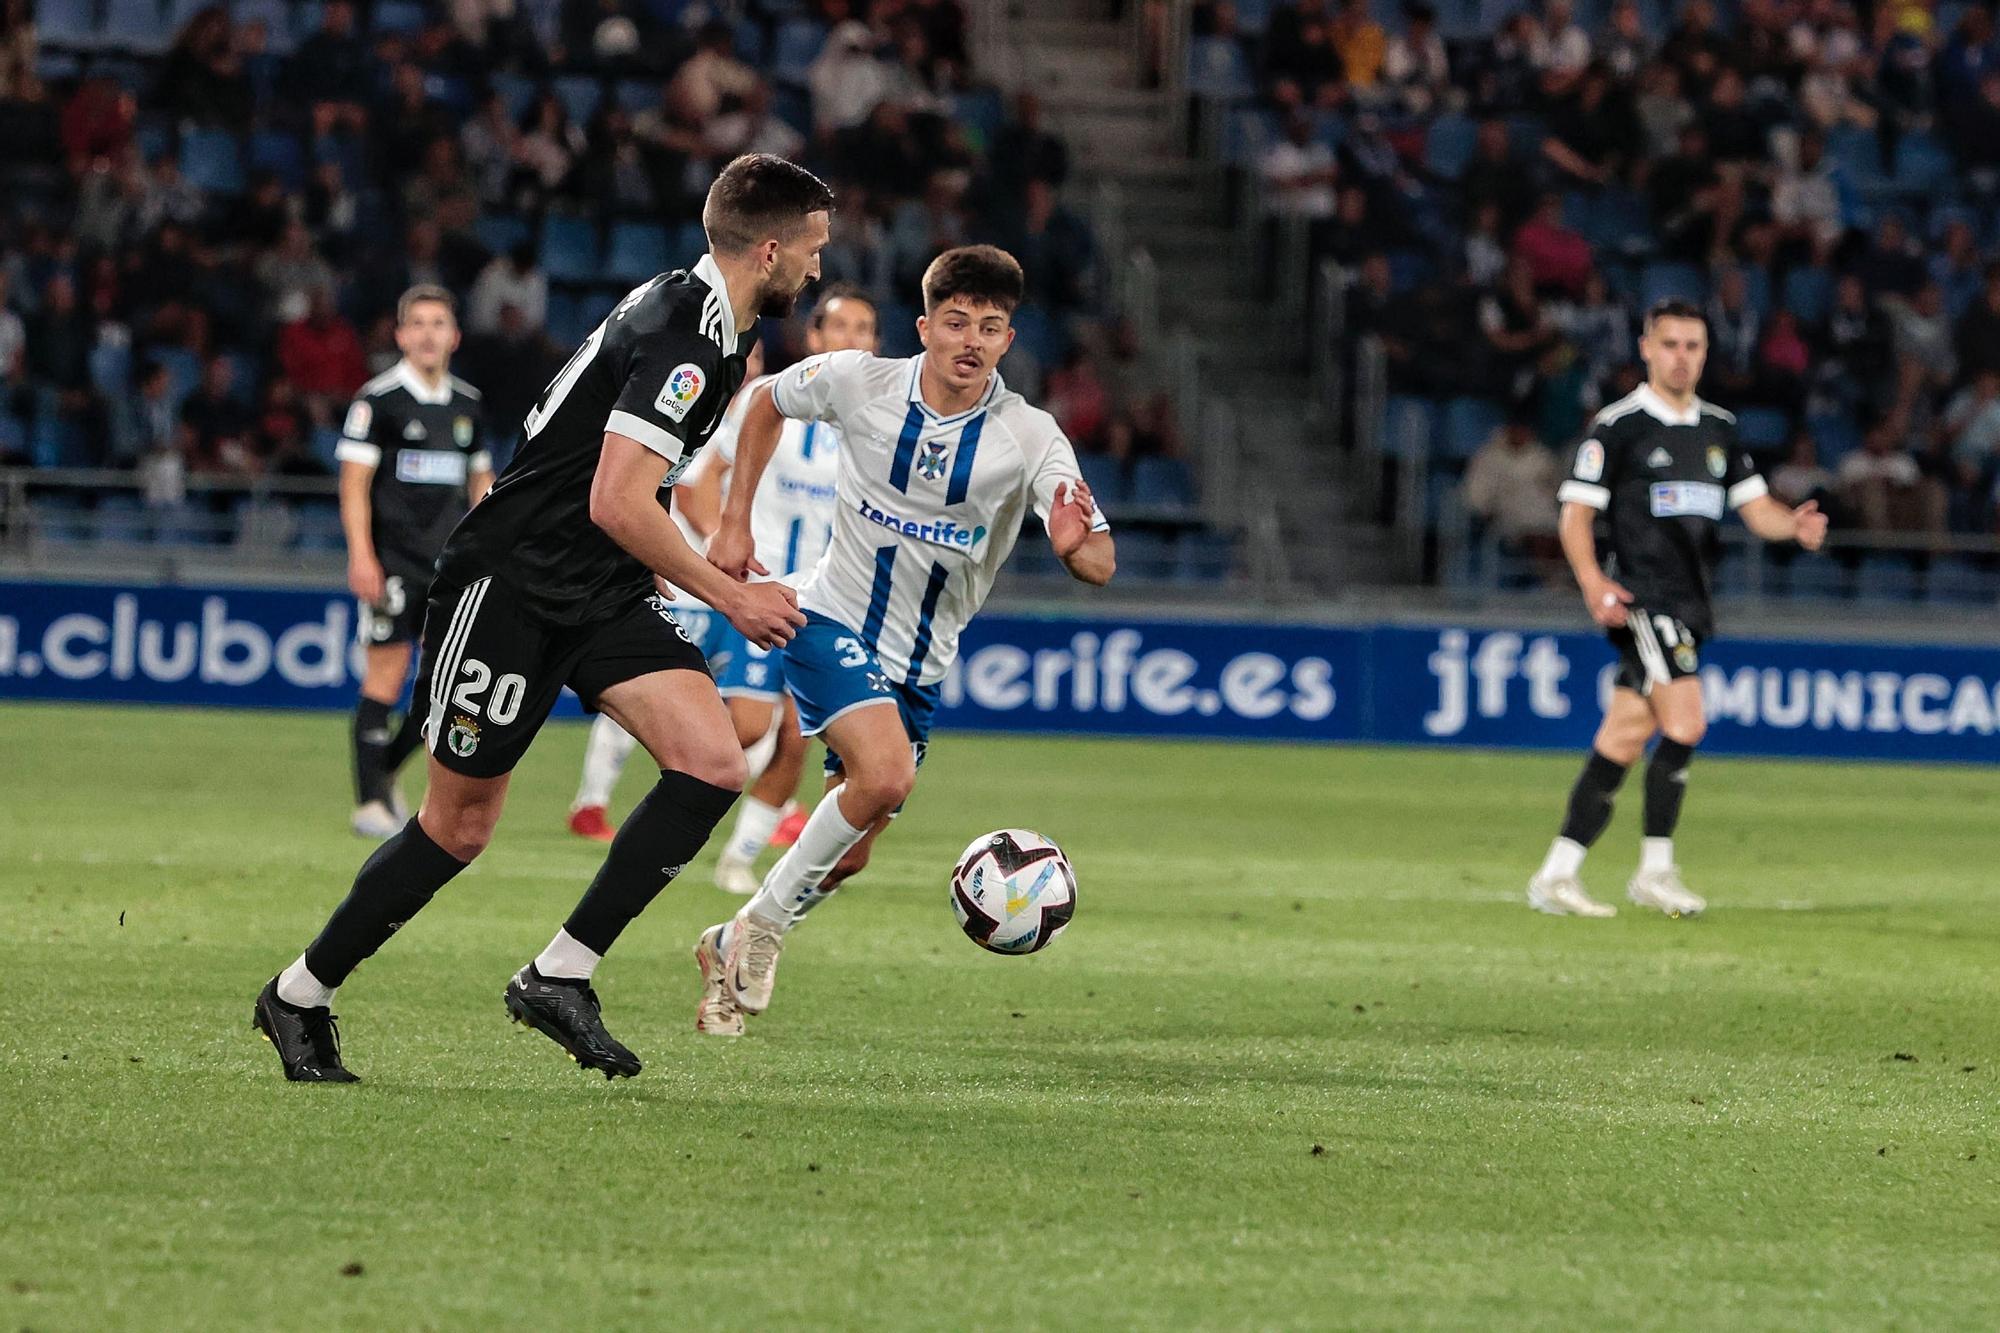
755, 823
796, 878
603, 760
757, 757
567, 959
1564, 860
1655, 854
297, 985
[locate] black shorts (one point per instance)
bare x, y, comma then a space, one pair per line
491, 672
399, 616
1654, 649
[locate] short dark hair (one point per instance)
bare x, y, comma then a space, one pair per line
1673, 307
757, 197
838, 291
981, 274
422, 292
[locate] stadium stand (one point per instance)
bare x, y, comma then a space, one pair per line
188, 187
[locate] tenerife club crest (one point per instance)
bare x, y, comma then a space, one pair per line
931, 462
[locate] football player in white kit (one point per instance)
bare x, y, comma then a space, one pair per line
791, 520
939, 464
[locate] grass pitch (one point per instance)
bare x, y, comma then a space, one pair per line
1304, 1060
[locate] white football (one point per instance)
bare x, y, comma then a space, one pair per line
1013, 891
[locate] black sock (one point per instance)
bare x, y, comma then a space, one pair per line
659, 837
371, 744
1666, 784
393, 886
409, 735
1590, 799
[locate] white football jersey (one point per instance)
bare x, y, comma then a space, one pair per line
791, 518
928, 506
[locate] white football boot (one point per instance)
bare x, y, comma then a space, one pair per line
717, 1014
375, 820
1663, 890
752, 964
1564, 896
734, 874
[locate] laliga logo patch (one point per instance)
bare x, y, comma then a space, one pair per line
359, 418
1590, 461
683, 387
463, 738
810, 370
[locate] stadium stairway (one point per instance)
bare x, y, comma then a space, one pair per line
1176, 208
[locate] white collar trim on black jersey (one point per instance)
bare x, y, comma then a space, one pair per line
406, 375
993, 388
717, 312
1661, 410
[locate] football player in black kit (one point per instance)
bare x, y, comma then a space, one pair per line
412, 458
551, 581
1658, 471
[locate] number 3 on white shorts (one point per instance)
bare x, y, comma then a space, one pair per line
505, 703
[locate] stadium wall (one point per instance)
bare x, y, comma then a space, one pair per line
1437, 684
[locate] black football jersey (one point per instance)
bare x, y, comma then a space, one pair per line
1662, 479
660, 369
423, 444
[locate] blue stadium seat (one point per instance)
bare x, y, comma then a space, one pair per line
571, 318
1410, 426
1834, 437
137, 25
397, 16
67, 23
1757, 284
794, 107
179, 12
281, 38
1253, 16
1449, 144
1105, 477
1408, 269
638, 250
1201, 556
569, 249
1808, 293
1886, 578
636, 95
281, 154
119, 518
183, 369
1246, 132
501, 232
579, 94
1813, 578
749, 39
981, 111
325, 440
1162, 483
898, 323
1468, 424
1219, 70
1961, 580
1763, 429
517, 91
797, 45
690, 242
1145, 556
1040, 336
1658, 282
212, 160
111, 369
1923, 164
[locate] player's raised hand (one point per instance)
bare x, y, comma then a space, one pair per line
365, 580
734, 553
1607, 600
1070, 517
767, 614
1812, 525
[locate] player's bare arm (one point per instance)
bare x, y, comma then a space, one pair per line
364, 571
1088, 556
698, 498
732, 549
1605, 596
623, 503
476, 486
1775, 521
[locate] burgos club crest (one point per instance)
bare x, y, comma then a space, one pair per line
677, 396
1718, 463
463, 738
461, 432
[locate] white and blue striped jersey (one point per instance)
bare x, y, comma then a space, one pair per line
791, 518
928, 506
